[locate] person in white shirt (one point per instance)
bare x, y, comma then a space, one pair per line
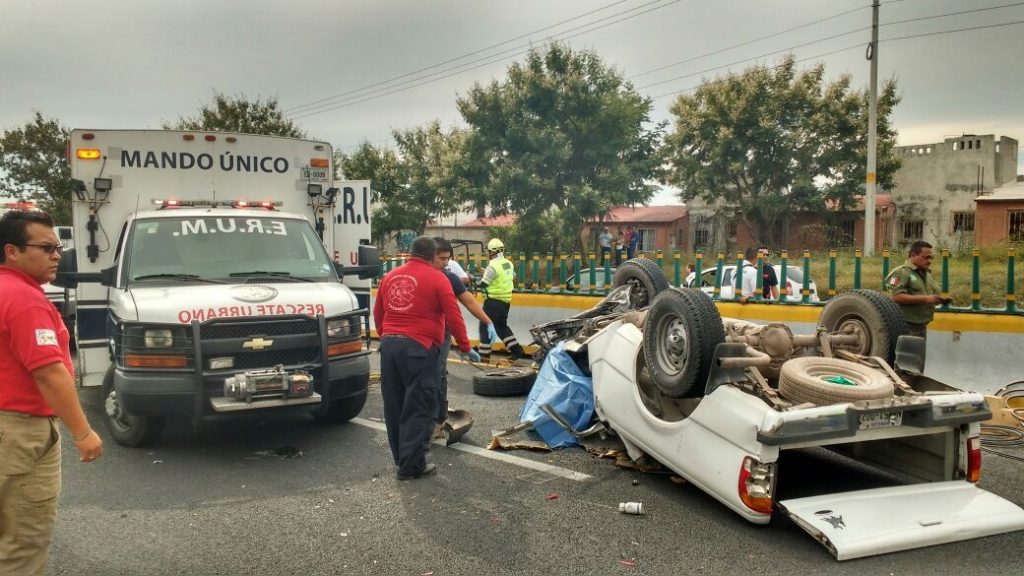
749, 283
456, 268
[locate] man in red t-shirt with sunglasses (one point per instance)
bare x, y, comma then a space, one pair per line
36, 388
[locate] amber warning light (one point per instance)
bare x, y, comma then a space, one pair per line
87, 153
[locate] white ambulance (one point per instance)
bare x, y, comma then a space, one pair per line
205, 285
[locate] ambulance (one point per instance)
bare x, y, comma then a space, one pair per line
217, 275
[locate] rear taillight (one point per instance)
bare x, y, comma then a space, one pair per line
973, 459
755, 485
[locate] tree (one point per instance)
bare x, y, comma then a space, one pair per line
36, 168
771, 141
563, 131
417, 182
237, 114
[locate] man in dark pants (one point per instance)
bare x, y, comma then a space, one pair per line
769, 281
912, 287
414, 304
497, 283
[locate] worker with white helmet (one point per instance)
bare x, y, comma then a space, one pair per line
497, 283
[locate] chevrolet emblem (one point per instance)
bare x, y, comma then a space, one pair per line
257, 344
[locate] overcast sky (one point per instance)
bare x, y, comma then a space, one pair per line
340, 66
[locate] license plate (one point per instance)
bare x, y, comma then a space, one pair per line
880, 420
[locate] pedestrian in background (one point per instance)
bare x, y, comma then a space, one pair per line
911, 286
441, 258
620, 243
414, 304
604, 241
769, 280
37, 387
632, 242
748, 283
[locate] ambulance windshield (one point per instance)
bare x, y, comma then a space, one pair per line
223, 247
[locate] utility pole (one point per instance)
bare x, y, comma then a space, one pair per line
869, 195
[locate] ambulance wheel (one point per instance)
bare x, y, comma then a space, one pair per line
340, 411
824, 381
682, 329
128, 429
870, 315
646, 278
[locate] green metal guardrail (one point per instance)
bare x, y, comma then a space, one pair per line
549, 273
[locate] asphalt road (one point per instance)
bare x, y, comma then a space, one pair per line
289, 496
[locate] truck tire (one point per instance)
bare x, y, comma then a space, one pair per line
128, 429
504, 382
646, 277
804, 380
869, 314
683, 328
340, 411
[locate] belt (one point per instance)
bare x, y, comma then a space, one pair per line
396, 337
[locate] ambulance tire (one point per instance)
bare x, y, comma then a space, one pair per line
646, 277
804, 380
872, 316
340, 411
682, 329
128, 429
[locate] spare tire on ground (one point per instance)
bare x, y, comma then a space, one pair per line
824, 381
646, 277
682, 329
501, 382
872, 316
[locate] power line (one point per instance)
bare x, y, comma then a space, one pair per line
907, 37
467, 55
455, 70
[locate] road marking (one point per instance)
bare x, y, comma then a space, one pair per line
499, 456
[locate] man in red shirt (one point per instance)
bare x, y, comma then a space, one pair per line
414, 304
36, 387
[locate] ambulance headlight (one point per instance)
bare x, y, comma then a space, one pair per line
161, 338
339, 328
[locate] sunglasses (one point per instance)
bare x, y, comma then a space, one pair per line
49, 248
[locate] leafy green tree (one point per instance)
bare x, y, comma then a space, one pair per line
32, 158
417, 182
238, 114
564, 131
773, 140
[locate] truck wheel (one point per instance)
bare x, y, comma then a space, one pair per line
128, 429
646, 277
873, 316
504, 382
683, 328
824, 381
340, 411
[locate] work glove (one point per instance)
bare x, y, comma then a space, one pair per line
492, 334
471, 356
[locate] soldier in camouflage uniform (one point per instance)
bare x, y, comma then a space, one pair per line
912, 287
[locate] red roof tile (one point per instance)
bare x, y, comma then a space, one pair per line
644, 214
486, 222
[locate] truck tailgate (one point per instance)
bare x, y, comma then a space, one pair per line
882, 520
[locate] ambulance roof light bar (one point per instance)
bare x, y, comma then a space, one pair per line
173, 203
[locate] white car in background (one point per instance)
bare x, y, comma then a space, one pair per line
794, 282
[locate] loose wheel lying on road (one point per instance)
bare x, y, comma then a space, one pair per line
825, 381
646, 277
870, 315
504, 381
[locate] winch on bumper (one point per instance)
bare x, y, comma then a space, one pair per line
272, 387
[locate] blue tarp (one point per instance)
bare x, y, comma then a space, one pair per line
563, 385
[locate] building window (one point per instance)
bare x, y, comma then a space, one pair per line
840, 234
1015, 233
913, 230
701, 238
646, 239
963, 222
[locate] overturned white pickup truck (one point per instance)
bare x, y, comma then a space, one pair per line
717, 400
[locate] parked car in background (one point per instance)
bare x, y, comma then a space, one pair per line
580, 282
794, 282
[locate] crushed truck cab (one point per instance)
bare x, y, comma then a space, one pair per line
204, 284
